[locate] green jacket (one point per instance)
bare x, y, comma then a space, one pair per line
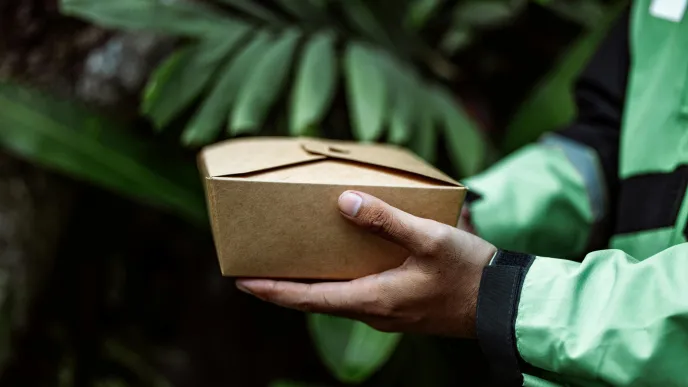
598, 295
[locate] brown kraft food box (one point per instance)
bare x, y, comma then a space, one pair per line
272, 203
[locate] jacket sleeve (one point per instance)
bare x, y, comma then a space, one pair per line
551, 197
609, 321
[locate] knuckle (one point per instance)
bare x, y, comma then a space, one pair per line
379, 220
439, 241
327, 304
371, 303
386, 307
305, 305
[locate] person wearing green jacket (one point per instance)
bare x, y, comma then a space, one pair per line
575, 269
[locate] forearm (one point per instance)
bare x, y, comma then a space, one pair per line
534, 200
609, 320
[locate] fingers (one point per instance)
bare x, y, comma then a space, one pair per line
337, 298
422, 237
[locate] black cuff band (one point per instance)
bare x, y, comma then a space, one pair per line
500, 291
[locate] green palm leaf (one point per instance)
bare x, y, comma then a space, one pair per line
352, 350
177, 17
405, 99
367, 90
263, 84
466, 145
208, 122
424, 139
251, 7
315, 83
184, 75
483, 13
68, 138
420, 11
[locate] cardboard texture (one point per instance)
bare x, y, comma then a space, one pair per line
273, 204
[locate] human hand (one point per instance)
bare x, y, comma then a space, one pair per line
435, 291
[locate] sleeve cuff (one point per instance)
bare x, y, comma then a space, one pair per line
498, 298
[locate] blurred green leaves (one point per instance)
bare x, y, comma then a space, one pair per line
467, 147
367, 91
315, 83
404, 108
70, 139
263, 84
353, 351
178, 17
184, 75
241, 62
239, 76
420, 11
484, 12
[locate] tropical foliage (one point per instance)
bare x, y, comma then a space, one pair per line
243, 56
370, 70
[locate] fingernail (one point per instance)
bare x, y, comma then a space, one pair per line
350, 203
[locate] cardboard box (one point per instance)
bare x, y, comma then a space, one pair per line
273, 204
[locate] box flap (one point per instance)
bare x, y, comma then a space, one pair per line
255, 154
387, 156
241, 156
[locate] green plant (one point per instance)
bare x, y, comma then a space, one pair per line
72, 139
276, 67
352, 351
237, 65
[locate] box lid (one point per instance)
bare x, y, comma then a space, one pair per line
243, 156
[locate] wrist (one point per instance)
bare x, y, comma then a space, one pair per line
497, 308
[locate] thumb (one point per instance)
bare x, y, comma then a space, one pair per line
418, 235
